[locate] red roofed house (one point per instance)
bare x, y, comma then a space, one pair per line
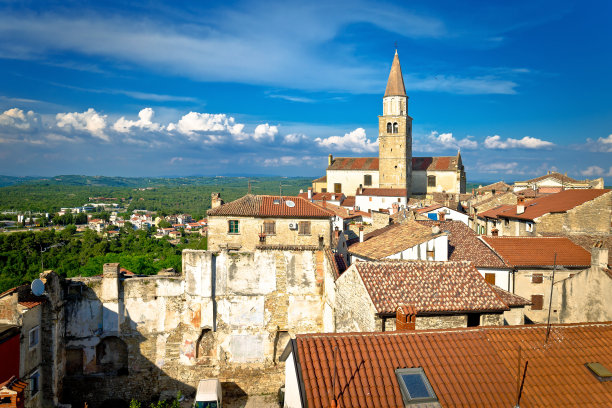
444, 295
554, 180
470, 367
394, 168
531, 260
570, 211
260, 220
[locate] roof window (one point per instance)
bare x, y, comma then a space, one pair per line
601, 372
415, 386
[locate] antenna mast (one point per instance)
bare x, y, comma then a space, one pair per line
552, 283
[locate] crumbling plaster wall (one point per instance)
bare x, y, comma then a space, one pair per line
229, 316
355, 311
585, 297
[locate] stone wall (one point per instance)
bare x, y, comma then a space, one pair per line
354, 308
592, 217
248, 237
229, 317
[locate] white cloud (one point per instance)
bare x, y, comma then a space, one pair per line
145, 122
89, 121
592, 171
496, 142
355, 141
602, 144
210, 127
447, 140
294, 138
466, 86
19, 120
265, 132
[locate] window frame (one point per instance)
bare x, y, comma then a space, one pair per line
302, 226
429, 181
490, 278
529, 226
337, 188
36, 331
266, 229
367, 179
236, 224
389, 127
541, 302
35, 376
408, 400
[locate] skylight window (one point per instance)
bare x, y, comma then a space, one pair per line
601, 372
415, 386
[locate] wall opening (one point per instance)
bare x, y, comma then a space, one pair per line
473, 319
112, 356
74, 361
205, 347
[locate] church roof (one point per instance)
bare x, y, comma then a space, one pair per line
395, 84
439, 163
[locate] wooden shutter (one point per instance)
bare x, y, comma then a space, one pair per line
490, 278
538, 302
537, 278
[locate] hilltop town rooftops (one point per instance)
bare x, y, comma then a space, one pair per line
392, 239
440, 163
431, 287
464, 245
466, 367
270, 206
539, 251
555, 175
554, 203
428, 208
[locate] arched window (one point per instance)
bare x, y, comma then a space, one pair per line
395, 127
389, 127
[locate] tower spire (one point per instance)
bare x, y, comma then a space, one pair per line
395, 84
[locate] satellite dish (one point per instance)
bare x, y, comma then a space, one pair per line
38, 287
290, 203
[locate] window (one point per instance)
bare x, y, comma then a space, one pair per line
234, 227
431, 181
415, 386
529, 226
537, 302
337, 187
34, 337
506, 222
324, 190
431, 255
473, 319
269, 227
490, 278
389, 127
34, 383
395, 127
304, 228
367, 180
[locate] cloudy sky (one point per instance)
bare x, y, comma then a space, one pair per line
263, 87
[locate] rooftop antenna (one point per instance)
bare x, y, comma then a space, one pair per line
280, 187
334, 402
250, 182
552, 283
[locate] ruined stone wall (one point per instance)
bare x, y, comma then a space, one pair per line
250, 228
515, 316
492, 319
440, 322
354, 308
229, 317
592, 217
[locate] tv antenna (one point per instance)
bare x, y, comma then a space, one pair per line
45, 250
251, 181
280, 188
552, 283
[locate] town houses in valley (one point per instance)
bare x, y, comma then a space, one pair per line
385, 284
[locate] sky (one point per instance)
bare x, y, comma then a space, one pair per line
271, 88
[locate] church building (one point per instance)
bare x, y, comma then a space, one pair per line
395, 172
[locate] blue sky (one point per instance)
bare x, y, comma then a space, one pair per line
262, 87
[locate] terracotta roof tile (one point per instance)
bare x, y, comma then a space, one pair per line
431, 287
392, 239
340, 211
441, 163
464, 245
428, 208
349, 201
270, 206
538, 251
554, 175
496, 211
588, 240
320, 179
554, 203
499, 186
509, 298
466, 367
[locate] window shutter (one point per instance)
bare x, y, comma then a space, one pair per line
537, 278
538, 302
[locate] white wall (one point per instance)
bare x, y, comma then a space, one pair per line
292, 390
350, 180
369, 203
503, 277
450, 214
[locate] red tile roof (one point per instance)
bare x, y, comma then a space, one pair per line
431, 287
429, 208
499, 186
341, 211
509, 298
496, 211
320, 179
470, 367
349, 201
383, 192
554, 175
554, 203
538, 251
322, 196
444, 163
464, 245
270, 206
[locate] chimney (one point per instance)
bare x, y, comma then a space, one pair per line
330, 160
405, 318
435, 229
310, 193
442, 216
215, 200
110, 270
361, 233
494, 232
520, 205
360, 189
394, 208
599, 255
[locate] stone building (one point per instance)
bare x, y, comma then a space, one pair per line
444, 294
258, 220
395, 167
554, 182
532, 260
568, 212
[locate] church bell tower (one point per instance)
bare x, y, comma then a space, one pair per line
395, 134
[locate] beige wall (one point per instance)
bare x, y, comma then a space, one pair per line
592, 217
446, 181
248, 237
350, 180
395, 152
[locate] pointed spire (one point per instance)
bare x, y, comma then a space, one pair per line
395, 84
